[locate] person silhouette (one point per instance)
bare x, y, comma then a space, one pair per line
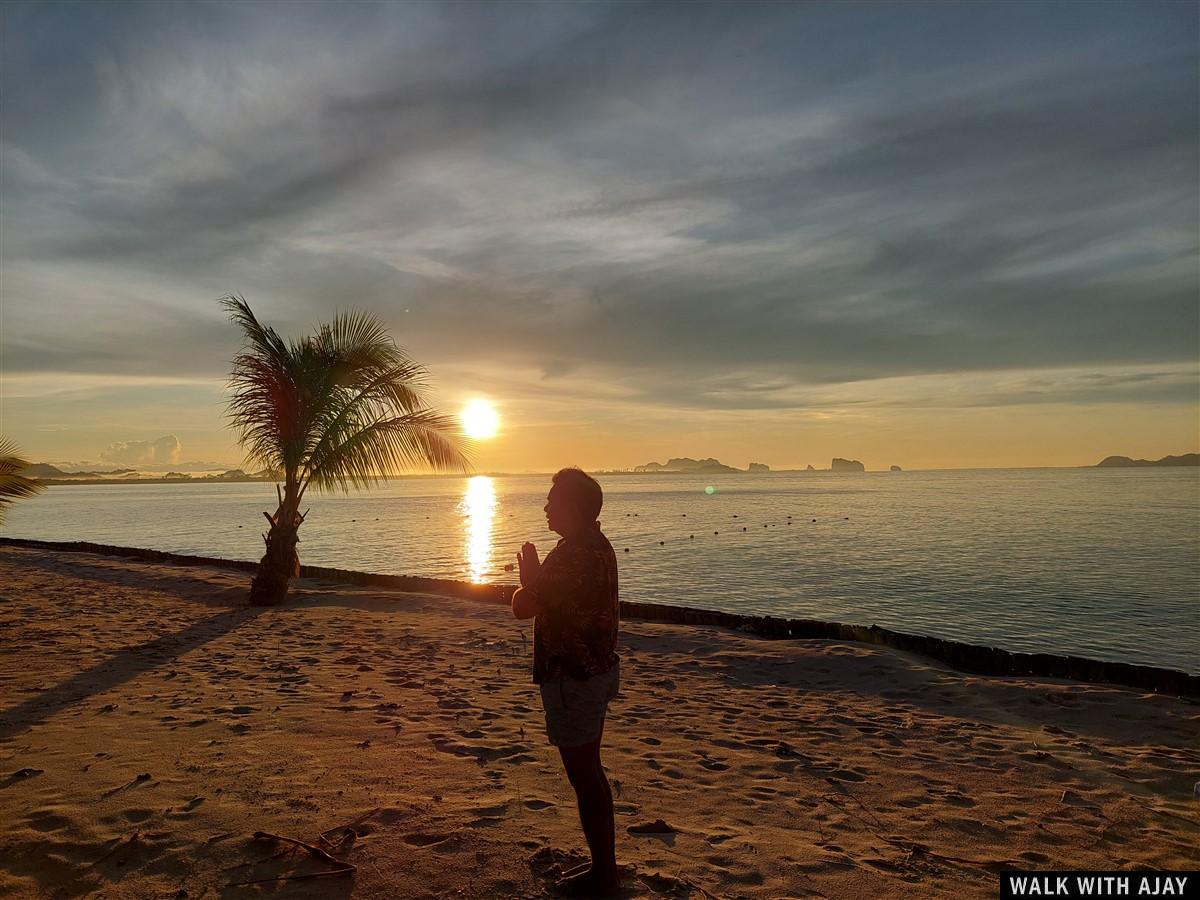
572, 598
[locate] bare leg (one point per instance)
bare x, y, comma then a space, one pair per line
594, 796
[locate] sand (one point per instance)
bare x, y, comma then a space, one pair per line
152, 724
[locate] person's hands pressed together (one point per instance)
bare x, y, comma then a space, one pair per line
529, 565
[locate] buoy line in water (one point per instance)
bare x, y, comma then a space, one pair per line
692, 535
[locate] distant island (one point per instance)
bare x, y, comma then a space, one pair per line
51, 474
687, 465
1187, 459
846, 465
45, 470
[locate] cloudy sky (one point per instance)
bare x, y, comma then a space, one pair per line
931, 235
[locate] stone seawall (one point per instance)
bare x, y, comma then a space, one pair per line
965, 657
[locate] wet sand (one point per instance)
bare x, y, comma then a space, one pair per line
151, 724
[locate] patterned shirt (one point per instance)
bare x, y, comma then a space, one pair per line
575, 631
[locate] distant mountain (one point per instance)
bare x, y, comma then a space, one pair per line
846, 465
42, 470
1187, 459
758, 467
160, 470
46, 470
52, 474
687, 464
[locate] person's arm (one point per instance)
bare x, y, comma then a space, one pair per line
550, 585
525, 599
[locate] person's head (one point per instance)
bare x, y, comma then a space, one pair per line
574, 501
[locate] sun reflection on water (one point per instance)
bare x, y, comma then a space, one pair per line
479, 508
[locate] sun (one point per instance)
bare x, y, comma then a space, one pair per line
479, 420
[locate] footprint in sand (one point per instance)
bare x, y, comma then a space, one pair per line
496, 810
46, 820
955, 798
658, 826
234, 710
721, 837
846, 775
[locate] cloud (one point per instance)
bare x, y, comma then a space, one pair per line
163, 450
640, 194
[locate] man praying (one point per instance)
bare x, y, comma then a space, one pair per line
572, 597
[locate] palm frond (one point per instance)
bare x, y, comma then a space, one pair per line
358, 346
340, 408
13, 485
265, 405
389, 393
359, 337
385, 446
262, 338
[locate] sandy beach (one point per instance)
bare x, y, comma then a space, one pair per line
152, 724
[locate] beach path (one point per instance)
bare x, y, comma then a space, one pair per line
151, 724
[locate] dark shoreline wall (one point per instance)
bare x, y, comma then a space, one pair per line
972, 658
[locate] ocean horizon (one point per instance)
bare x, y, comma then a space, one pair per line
146, 474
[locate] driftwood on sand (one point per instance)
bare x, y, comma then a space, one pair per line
341, 867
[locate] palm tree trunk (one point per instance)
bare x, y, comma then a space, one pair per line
280, 564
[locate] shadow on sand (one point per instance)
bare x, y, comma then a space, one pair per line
124, 666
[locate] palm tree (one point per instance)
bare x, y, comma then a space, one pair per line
340, 408
14, 485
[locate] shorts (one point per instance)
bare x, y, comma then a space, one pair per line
575, 710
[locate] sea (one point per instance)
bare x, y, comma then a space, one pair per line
1103, 563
